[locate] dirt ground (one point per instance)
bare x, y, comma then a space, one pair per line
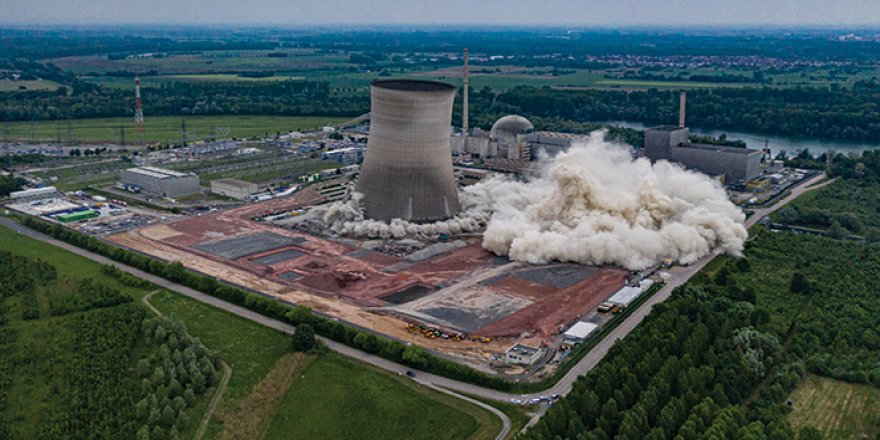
336, 278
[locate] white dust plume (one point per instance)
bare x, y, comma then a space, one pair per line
593, 204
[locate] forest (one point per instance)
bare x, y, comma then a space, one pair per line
84, 361
833, 113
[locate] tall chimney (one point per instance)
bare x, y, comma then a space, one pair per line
681, 109
464, 106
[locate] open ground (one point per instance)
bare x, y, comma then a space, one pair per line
462, 290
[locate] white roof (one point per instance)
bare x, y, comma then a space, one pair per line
581, 330
625, 296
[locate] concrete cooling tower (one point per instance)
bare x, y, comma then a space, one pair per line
407, 170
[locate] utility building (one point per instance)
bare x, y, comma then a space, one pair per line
736, 164
237, 189
671, 143
160, 182
407, 170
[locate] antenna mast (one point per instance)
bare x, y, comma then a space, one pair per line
138, 108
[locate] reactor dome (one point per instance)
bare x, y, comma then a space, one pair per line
506, 128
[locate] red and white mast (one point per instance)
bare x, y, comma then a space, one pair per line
138, 109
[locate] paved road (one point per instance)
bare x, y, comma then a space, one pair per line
562, 387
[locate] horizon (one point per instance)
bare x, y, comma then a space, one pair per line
551, 13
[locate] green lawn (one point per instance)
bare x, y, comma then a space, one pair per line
8, 85
253, 350
67, 264
166, 129
335, 398
839, 410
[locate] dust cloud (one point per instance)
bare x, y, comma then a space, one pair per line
593, 204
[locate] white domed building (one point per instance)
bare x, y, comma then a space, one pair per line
503, 140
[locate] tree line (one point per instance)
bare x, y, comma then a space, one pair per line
282, 98
833, 113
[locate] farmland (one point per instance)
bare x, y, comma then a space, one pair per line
7, 85
837, 409
164, 129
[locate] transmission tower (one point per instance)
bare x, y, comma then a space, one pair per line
138, 108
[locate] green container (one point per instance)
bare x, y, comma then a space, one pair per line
77, 216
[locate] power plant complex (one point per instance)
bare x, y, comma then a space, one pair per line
407, 170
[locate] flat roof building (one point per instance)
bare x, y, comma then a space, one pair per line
237, 189
736, 164
523, 355
578, 333
160, 182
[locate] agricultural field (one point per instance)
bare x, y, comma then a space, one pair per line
318, 403
157, 81
203, 62
164, 129
8, 85
837, 409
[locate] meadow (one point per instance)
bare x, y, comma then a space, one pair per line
163, 129
837, 409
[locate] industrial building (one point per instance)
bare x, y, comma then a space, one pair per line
160, 182
504, 140
34, 193
671, 143
523, 355
213, 148
407, 170
237, 189
549, 142
345, 156
578, 333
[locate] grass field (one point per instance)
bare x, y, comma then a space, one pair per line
335, 398
342, 398
166, 129
8, 85
839, 410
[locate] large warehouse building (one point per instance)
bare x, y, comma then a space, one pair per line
736, 164
160, 182
237, 189
407, 170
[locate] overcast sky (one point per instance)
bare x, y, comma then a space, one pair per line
469, 12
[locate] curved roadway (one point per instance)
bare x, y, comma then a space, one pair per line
562, 387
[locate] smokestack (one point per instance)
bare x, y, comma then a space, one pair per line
681, 109
464, 106
407, 171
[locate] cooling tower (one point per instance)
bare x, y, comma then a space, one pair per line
407, 171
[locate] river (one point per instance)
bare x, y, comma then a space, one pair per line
776, 143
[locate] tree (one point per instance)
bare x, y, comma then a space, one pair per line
799, 284
809, 433
836, 230
303, 338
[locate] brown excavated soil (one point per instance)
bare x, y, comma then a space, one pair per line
344, 286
